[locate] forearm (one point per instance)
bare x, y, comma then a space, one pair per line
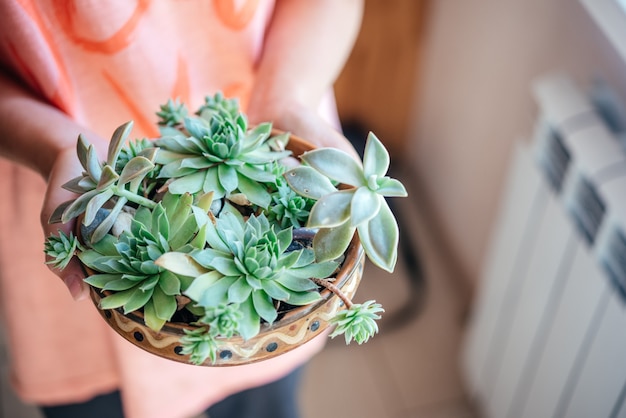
32, 132
305, 49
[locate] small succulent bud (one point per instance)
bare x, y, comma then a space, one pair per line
61, 249
358, 322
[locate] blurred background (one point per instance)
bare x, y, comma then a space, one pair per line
504, 119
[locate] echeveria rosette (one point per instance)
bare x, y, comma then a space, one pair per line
246, 264
288, 208
61, 248
220, 155
199, 344
172, 113
338, 213
220, 104
202, 343
358, 322
126, 265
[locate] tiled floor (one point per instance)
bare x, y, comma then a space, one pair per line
406, 372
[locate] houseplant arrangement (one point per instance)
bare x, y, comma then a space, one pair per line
213, 245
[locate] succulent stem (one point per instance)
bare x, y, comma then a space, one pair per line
135, 198
328, 285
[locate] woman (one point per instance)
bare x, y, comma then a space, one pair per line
71, 67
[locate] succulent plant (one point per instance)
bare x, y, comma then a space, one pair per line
221, 321
246, 263
288, 208
200, 224
61, 248
126, 265
101, 184
358, 322
172, 113
220, 155
338, 213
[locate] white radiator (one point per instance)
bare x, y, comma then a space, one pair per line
547, 337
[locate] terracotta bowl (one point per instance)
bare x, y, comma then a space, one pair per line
294, 328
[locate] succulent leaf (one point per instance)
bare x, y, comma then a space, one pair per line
250, 324
263, 305
107, 178
77, 206
164, 305
331, 243
331, 210
391, 188
137, 167
150, 316
255, 193
379, 238
106, 225
118, 140
375, 157
308, 182
364, 205
95, 204
337, 165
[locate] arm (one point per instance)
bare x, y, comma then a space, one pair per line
306, 47
41, 137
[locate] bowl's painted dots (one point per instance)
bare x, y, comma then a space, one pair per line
138, 336
178, 350
226, 354
315, 326
271, 347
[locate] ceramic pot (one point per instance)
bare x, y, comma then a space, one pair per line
295, 328
292, 329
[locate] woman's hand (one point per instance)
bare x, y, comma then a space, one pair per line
301, 121
306, 46
27, 123
64, 169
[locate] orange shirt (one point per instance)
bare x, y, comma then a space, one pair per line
103, 63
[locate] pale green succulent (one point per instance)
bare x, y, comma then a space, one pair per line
199, 344
220, 321
61, 248
246, 263
358, 322
288, 208
100, 185
172, 113
338, 213
217, 153
218, 103
126, 265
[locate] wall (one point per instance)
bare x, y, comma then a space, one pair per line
375, 87
473, 101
